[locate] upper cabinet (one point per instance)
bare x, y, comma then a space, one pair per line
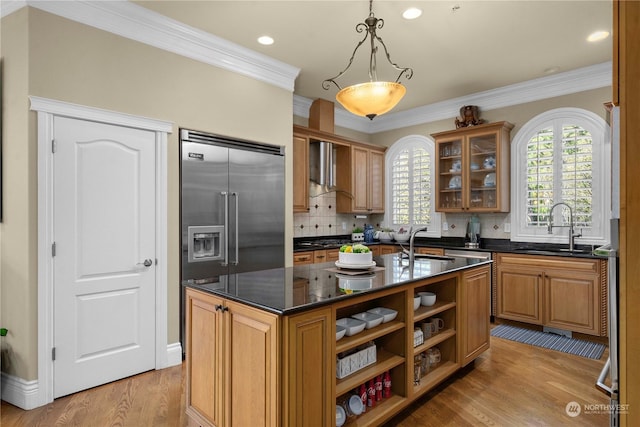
300, 173
360, 175
359, 172
472, 168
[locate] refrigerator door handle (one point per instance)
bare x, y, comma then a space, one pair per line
225, 195
603, 374
234, 194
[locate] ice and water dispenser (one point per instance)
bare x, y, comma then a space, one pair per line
206, 243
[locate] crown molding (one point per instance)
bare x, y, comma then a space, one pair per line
134, 22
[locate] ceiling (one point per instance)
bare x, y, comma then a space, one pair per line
456, 48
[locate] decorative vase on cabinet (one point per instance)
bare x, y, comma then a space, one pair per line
472, 168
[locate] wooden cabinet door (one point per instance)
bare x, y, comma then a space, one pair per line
300, 173
302, 258
476, 313
572, 301
252, 363
519, 294
472, 168
309, 376
333, 255
320, 256
205, 394
359, 178
376, 181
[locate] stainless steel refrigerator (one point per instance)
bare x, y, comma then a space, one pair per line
232, 207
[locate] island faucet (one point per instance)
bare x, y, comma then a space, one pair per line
411, 252
550, 225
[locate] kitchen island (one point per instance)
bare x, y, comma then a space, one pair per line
262, 348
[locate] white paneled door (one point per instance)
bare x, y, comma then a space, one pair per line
104, 255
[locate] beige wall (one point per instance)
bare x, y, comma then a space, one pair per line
17, 267
51, 57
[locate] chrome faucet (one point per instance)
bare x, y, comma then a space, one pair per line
411, 238
572, 234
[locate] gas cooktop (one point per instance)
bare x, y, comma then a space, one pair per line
320, 244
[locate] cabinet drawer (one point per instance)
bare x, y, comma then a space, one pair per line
301, 258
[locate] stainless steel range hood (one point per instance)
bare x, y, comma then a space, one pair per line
322, 165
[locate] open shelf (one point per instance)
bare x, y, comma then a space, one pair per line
434, 340
367, 335
436, 376
423, 312
382, 410
385, 361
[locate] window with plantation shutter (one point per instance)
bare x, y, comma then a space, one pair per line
562, 156
410, 178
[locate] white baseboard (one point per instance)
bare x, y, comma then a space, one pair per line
174, 354
19, 392
25, 394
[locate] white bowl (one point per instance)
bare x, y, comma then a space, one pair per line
387, 314
401, 237
340, 331
352, 326
355, 259
427, 298
416, 302
372, 320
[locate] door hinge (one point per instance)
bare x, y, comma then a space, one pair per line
53, 145
53, 353
53, 249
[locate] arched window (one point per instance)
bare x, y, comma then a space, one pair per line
562, 155
410, 166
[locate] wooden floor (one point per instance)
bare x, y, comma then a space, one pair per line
510, 385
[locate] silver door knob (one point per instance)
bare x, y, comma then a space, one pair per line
147, 262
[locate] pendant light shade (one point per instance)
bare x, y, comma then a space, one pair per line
372, 98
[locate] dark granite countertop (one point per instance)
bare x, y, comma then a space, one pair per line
296, 289
457, 243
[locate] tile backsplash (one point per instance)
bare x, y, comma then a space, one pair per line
323, 220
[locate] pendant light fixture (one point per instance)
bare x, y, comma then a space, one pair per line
374, 97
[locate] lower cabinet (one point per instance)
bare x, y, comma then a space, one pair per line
476, 313
519, 293
226, 384
559, 292
308, 373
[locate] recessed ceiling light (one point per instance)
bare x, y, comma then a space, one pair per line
265, 40
597, 36
411, 13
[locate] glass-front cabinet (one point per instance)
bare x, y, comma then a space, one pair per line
472, 168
